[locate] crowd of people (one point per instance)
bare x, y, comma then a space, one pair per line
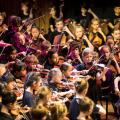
63, 74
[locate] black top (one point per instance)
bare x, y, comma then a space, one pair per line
48, 65
81, 67
4, 116
52, 22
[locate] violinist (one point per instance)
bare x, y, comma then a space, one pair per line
31, 61
87, 57
96, 35
66, 70
57, 85
35, 32
14, 22
110, 42
74, 56
9, 55
19, 71
109, 60
44, 96
81, 88
86, 16
81, 39
8, 101
32, 84
10, 83
52, 60
58, 111
85, 69
40, 113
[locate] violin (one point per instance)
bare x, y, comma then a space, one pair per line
20, 112
64, 85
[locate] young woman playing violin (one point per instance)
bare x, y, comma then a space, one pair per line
81, 39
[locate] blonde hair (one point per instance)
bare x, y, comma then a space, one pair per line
39, 112
78, 27
58, 110
32, 58
93, 20
43, 92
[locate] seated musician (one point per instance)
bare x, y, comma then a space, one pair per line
74, 56
11, 54
35, 32
58, 33
81, 39
10, 83
8, 101
86, 108
87, 57
81, 90
86, 68
44, 95
40, 113
96, 35
110, 42
19, 71
31, 62
57, 86
109, 59
116, 36
66, 70
52, 59
58, 111
31, 86
54, 78
116, 15
14, 23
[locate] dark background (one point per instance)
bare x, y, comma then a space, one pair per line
71, 7
103, 8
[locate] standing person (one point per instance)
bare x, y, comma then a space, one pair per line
52, 19
115, 17
86, 16
26, 11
